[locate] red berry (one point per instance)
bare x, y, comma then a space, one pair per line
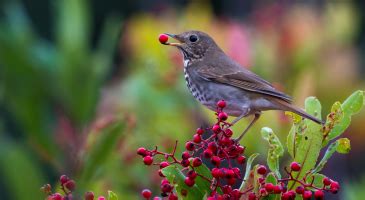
192, 174
228, 132
185, 155
164, 181
226, 141
146, 193
263, 192
221, 104
261, 180
252, 196
216, 128
142, 151
217, 173
277, 189
216, 160
240, 149
241, 159
89, 196
292, 194
237, 171
163, 38
318, 194
299, 190
307, 194
197, 138
231, 181
334, 187
189, 181
101, 198
148, 160
70, 185
63, 179
185, 163
261, 170
269, 187
285, 196
295, 166
326, 181
199, 131
208, 153
236, 193
166, 188
197, 162
189, 146
212, 146
164, 164
56, 196
227, 189
229, 173
222, 116
173, 196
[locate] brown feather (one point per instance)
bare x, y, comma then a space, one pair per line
244, 80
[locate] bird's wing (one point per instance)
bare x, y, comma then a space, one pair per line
242, 79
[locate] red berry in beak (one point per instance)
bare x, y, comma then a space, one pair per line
163, 38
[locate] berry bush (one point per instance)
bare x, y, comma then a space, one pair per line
214, 165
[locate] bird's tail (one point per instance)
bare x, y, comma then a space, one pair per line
289, 107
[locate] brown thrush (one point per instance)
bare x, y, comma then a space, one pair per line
212, 76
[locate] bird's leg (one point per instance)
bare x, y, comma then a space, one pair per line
238, 119
244, 114
257, 116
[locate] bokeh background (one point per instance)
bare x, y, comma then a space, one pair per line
83, 84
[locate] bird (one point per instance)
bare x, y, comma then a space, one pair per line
211, 76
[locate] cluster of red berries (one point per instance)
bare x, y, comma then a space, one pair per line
214, 145
67, 186
306, 190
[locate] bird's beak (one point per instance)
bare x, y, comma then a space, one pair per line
176, 37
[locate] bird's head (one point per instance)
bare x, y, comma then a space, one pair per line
193, 44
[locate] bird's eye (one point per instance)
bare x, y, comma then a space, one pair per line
193, 38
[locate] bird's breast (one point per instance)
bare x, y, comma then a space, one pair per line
195, 87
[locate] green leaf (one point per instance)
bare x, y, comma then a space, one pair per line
317, 179
271, 178
350, 106
344, 145
175, 176
354, 102
203, 184
99, 152
294, 137
310, 142
112, 196
290, 141
248, 170
276, 150
333, 119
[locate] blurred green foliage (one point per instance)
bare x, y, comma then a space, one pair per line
59, 112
